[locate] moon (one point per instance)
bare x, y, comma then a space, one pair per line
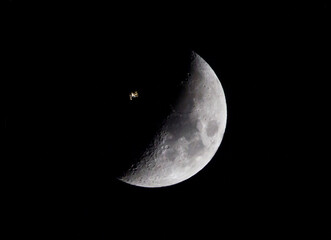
189, 136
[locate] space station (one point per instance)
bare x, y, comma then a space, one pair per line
133, 95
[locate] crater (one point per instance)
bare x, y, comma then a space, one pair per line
212, 128
171, 154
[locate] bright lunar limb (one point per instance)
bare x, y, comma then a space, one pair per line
189, 137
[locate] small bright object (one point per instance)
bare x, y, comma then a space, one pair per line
133, 95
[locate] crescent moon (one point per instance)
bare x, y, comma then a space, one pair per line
189, 136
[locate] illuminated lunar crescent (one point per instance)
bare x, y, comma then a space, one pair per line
190, 135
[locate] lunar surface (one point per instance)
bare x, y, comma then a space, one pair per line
189, 136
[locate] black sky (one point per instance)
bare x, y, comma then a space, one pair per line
67, 72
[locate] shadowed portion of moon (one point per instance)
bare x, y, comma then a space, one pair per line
188, 135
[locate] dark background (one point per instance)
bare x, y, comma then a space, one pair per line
67, 70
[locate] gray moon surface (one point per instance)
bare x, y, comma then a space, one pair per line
190, 135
